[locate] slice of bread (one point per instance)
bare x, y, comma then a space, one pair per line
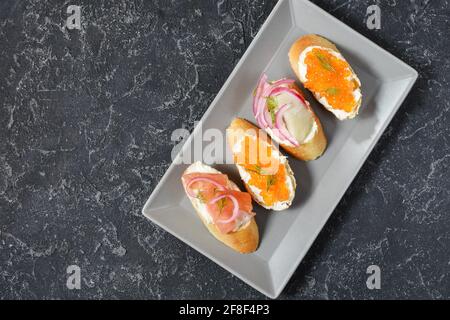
244, 240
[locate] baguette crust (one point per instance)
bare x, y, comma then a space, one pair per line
236, 127
307, 41
315, 147
239, 124
245, 240
304, 42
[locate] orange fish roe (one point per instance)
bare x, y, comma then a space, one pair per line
330, 77
266, 172
273, 187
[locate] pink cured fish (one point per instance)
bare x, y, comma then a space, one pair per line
216, 192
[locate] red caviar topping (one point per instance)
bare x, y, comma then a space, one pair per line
331, 77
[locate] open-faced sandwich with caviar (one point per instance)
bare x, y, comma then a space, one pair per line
280, 108
263, 169
223, 208
324, 71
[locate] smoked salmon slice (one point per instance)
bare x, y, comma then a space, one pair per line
213, 190
198, 186
222, 210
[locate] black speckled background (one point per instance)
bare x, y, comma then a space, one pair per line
85, 124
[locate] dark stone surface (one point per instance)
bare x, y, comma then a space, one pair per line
85, 124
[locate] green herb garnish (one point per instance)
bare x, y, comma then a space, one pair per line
271, 180
332, 91
324, 62
221, 204
201, 197
272, 105
256, 169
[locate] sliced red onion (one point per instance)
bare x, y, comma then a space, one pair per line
261, 103
261, 117
260, 124
281, 128
259, 89
262, 85
235, 208
267, 118
265, 90
283, 82
188, 186
279, 90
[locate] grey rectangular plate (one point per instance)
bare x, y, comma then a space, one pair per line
287, 236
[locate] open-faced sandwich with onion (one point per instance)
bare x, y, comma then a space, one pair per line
280, 108
263, 169
324, 71
223, 208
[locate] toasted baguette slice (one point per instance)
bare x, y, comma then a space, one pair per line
312, 40
304, 125
315, 147
244, 240
235, 132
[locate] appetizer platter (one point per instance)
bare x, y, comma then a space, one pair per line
301, 112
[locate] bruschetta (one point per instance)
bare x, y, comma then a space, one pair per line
226, 211
265, 172
324, 71
280, 108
